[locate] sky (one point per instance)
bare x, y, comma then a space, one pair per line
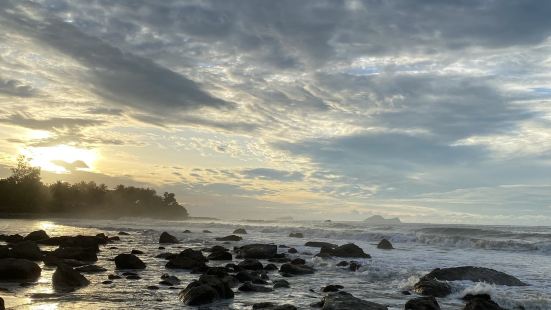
431, 111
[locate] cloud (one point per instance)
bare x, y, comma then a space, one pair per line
15, 88
71, 166
272, 174
50, 124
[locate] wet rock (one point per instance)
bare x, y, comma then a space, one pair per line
345, 301
169, 280
318, 244
153, 287
220, 255
240, 231
187, 259
26, 249
280, 260
385, 245
230, 238
422, 303
187, 231
2, 306
480, 302
244, 276
107, 282
343, 263
250, 264
282, 246
11, 238
90, 269
90, 242
298, 261
113, 277
354, 266
136, 252
270, 267
66, 279
475, 274
296, 235
167, 238
78, 253
332, 288
207, 231
281, 283
4, 251
258, 251
347, 250
128, 261
272, 306
291, 269
38, 235
249, 287
217, 248
122, 233
166, 255
133, 277
432, 287
205, 290
19, 270
292, 251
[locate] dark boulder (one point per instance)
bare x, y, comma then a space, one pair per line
220, 255
292, 251
78, 253
272, 306
80, 241
128, 261
187, 231
51, 261
240, 231
258, 251
166, 255
296, 235
347, 250
422, 303
250, 264
169, 280
480, 302
207, 231
185, 262
475, 274
298, 261
249, 287
229, 238
38, 235
123, 233
291, 269
136, 252
346, 301
270, 267
90, 269
27, 250
343, 263
2, 306
66, 279
281, 283
18, 270
167, 238
318, 244
432, 287
332, 288
217, 248
206, 290
354, 266
385, 245
11, 238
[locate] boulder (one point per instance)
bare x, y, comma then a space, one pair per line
480, 302
11, 238
281, 283
123, 233
432, 287
2, 306
296, 235
18, 270
38, 235
187, 231
167, 238
354, 266
332, 288
206, 290
251, 264
216, 248
79, 241
185, 262
475, 274
385, 245
169, 280
298, 261
345, 301
26, 249
4, 251
347, 250
258, 251
90, 269
249, 287
220, 255
128, 261
270, 267
291, 269
229, 238
272, 306
292, 251
318, 244
240, 231
52, 261
422, 303
207, 231
66, 279
78, 253
136, 252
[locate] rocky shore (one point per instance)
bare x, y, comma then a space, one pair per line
222, 270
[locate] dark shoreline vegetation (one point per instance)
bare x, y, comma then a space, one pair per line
24, 195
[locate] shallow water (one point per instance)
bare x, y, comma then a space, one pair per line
524, 252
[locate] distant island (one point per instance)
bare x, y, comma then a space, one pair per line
23, 194
379, 220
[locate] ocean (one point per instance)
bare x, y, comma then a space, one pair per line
524, 252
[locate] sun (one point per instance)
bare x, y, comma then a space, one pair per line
61, 158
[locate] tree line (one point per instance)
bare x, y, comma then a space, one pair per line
24, 193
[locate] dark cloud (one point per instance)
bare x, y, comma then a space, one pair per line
15, 88
49, 124
105, 111
71, 166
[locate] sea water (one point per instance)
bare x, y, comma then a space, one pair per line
524, 252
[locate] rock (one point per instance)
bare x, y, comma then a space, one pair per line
432, 287
216, 248
187, 231
207, 231
220, 255
206, 290
422, 303
475, 274
385, 245
4, 251
153, 287
91, 242
38, 235
332, 288
317, 244
67, 279
90, 269
169, 280
166, 255
133, 277
258, 251
272, 306
347, 250
185, 262
292, 251
2, 306
18, 270
78, 253
281, 283
11, 238
343, 263
298, 261
128, 261
296, 269
167, 238
296, 235
230, 238
26, 249
480, 302
249, 287
270, 267
354, 266
345, 301
107, 282
122, 233
113, 277
136, 252
251, 264
240, 231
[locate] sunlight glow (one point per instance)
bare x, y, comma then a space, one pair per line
61, 158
